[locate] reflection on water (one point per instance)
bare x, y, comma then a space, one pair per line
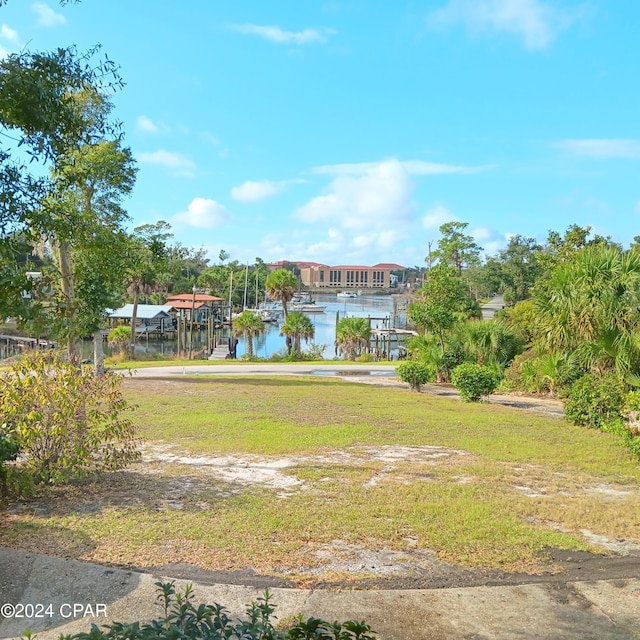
380, 374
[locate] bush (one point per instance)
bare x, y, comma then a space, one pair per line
631, 434
315, 351
474, 381
595, 400
183, 620
549, 372
8, 451
67, 422
414, 373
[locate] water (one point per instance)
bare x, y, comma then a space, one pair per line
378, 308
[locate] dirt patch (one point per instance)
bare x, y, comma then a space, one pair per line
176, 481
252, 470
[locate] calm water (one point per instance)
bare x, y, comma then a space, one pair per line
378, 308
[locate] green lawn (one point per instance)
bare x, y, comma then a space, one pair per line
508, 485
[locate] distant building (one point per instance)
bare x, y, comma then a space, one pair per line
319, 276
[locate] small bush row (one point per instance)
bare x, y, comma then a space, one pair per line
183, 620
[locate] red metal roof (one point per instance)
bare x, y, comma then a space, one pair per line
200, 297
185, 304
382, 266
297, 263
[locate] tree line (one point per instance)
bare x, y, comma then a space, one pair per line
570, 327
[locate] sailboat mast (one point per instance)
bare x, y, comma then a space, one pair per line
246, 281
257, 288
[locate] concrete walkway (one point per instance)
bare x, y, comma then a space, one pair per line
241, 368
490, 308
603, 610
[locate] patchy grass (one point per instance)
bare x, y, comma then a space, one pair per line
506, 486
279, 415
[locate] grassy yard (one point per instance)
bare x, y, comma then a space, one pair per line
370, 466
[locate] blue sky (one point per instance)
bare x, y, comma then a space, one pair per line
347, 131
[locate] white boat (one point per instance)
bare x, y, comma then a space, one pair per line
266, 315
346, 294
308, 307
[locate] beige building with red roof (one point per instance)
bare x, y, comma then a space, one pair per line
322, 276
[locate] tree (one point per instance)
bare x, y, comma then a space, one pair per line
248, 324
442, 303
438, 305
488, 342
519, 268
589, 306
297, 326
54, 102
140, 279
120, 338
88, 240
352, 336
281, 285
561, 248
456, 248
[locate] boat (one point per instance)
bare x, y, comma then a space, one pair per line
308, 307
346, 294
266, 315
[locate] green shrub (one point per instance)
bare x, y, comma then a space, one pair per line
8, 451
595, 400
182, 620
474, 381
315, 351
67, 422
548, 372
365, 357
414, 373
631, 435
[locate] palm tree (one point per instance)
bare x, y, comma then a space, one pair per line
248, 324
281, 285
296, 327
352, 336
488, 342
119, 338
589, 306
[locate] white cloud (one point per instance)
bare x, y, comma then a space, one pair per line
437, 216
7, 33
203, 213
10, 36
481, 234
280, 36
257, 191
536, 22
146, 125
413, 167
336, 246
175, 162
602, 147
47, 17
380, 198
